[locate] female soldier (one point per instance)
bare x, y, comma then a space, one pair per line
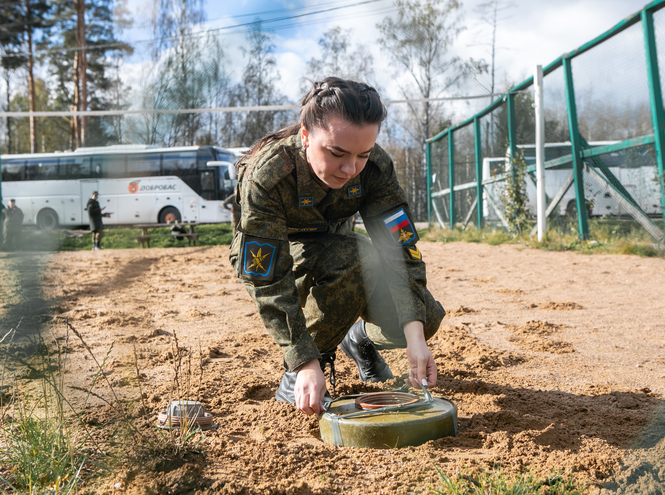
310, 275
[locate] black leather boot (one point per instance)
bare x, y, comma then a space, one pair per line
357, 346
286, 390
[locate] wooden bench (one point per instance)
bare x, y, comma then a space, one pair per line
147, 233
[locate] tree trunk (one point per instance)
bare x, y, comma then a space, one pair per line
9, 119
82, 66
75, 139
31, 79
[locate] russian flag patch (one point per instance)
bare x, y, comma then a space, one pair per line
400, 228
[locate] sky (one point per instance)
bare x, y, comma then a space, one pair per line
529, 32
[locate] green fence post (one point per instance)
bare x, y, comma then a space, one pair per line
428, 158
451, 177
655, 98
512, 137
479, 172
576, 149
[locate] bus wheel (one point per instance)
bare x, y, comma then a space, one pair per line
47, 219
169, 215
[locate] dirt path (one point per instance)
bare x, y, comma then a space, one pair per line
555, 360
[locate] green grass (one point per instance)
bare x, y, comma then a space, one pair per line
496, 482
605, 236
41, 455
121, 238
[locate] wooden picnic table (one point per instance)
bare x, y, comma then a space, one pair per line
148, 232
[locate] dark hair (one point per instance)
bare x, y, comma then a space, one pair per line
355, 102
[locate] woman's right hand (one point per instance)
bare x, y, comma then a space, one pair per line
310, 388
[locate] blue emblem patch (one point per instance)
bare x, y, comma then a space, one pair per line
354, 191
400, 228
258, 258
306, 201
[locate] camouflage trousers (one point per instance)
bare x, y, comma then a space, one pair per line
97, 236
11, 238
340, 278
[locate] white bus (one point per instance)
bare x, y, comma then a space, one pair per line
635, 169
136, 184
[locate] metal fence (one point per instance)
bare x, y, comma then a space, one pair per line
604, 127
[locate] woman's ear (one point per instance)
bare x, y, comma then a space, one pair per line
304, 136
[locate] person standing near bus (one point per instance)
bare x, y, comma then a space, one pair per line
96, 225
232, 205
317, 284
13, 219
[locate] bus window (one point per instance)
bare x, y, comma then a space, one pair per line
74, 167
42, 168
208, 190
13, 170
147, 165
112, 166
203, 157
179, 163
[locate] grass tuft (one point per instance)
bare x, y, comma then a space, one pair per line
497, 482
39, 454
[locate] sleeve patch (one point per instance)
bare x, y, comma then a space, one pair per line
400, 228
258, 258
414, 252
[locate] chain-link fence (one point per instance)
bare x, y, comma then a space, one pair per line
604, 127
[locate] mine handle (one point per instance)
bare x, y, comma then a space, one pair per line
400, 407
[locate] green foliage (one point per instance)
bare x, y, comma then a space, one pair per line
515, 198
39, 455
496, 482
605, 236
121, 238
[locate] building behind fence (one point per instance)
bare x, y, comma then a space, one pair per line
604, 135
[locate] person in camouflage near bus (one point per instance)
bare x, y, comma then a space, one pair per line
310, 275
95, 218
13, 220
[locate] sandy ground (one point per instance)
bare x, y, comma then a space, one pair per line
554, 359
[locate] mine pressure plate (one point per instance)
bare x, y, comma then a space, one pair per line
185, 414
387, 420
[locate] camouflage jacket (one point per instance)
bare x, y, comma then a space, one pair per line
281, 200
13, 218
94, 215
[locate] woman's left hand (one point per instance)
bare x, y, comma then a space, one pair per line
421, 362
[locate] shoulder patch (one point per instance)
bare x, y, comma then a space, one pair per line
258, 258
414, 252
400, 227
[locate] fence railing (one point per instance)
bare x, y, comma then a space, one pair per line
604, 138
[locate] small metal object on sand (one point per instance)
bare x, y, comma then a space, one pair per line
185, 413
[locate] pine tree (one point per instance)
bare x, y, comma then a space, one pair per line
104, 19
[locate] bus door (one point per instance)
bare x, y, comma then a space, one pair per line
208, 212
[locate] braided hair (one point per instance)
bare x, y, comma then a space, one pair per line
355, 102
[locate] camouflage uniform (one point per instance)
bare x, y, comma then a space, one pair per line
295, 248
13, 219
95, 218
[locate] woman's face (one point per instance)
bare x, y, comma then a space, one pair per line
338, 152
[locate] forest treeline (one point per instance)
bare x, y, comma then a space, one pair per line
70, 55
